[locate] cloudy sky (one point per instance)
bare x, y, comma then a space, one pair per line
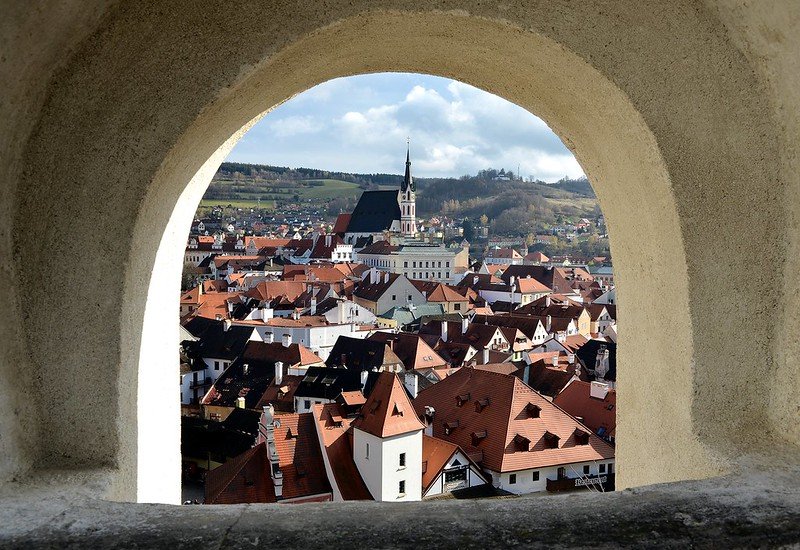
360, 124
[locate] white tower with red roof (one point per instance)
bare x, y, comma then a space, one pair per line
387, 443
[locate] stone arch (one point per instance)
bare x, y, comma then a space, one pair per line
137, 122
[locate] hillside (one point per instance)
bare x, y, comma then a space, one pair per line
514, 207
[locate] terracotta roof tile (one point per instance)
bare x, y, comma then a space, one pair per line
491, 428
388, 410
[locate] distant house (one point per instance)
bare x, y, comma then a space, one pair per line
381, 291
503, 256
594, 403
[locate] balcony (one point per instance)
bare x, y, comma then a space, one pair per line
206, 382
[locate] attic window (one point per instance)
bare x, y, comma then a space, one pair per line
328, 380
398, 410
374, 406
551, 440
533, 410
461, 399
290, 434
477, 437
522, 443
481, 404
310, 378
450, 426
581, 437
300, 468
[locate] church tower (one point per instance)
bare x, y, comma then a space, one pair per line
407, 199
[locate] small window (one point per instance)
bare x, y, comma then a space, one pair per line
536, 476
512, 479
402, 487
586, 469
409, 297
216, 365
402, 460
366, 453
307, 404
394, 297
602, 468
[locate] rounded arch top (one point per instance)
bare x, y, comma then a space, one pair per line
148, 108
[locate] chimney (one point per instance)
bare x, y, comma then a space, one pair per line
218, 317
295, 315
547, 301
227, 324
364, 375
464, 325
598, 390
278, 373
555, 360
286, 340
327, 241
269, 424
548, 324
485, 356
343, 361
430, 414
246, 369
444, 331
571, 358
269, 337
313, 310
240, 402
386, 277
411, 383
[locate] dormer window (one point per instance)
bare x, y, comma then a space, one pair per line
461, 399
450, 426
551, 440
581, 437
477, 437
397, 410
522, 443
534, 411
481, 404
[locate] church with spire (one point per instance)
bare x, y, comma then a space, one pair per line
379, 214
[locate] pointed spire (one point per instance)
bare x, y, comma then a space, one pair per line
407, 180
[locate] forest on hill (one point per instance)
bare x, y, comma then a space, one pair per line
513, 206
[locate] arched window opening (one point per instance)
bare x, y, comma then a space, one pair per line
309, 337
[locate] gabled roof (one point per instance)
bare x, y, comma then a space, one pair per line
546, 379
243, 479
492, 409
598, 414
388, 411
375, 212
300, 456
524, 323
335, 435
411, 349
218, 343
328, 383
379, 247
342, 221
548, 276
373, 290
358, 354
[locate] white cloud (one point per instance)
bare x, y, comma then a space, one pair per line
295, 125
360, 124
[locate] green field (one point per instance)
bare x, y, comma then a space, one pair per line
266, 205
248, 191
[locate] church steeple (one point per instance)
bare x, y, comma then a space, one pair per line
407, 199
408, 181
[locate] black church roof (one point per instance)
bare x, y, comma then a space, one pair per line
375, 212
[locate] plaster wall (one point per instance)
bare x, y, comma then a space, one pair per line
684, 116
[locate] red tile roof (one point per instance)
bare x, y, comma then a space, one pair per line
493, 409
435, 454
334, 430
388, 410
596, 413
245, 478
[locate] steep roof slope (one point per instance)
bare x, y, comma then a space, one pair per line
510, 424
375, 212
388, 410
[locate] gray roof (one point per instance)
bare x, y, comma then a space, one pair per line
375, 212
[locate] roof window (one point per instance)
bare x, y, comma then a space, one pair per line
461, 399
522, 443
481, 404
551, 440
477, 437
581, 437
534, 411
